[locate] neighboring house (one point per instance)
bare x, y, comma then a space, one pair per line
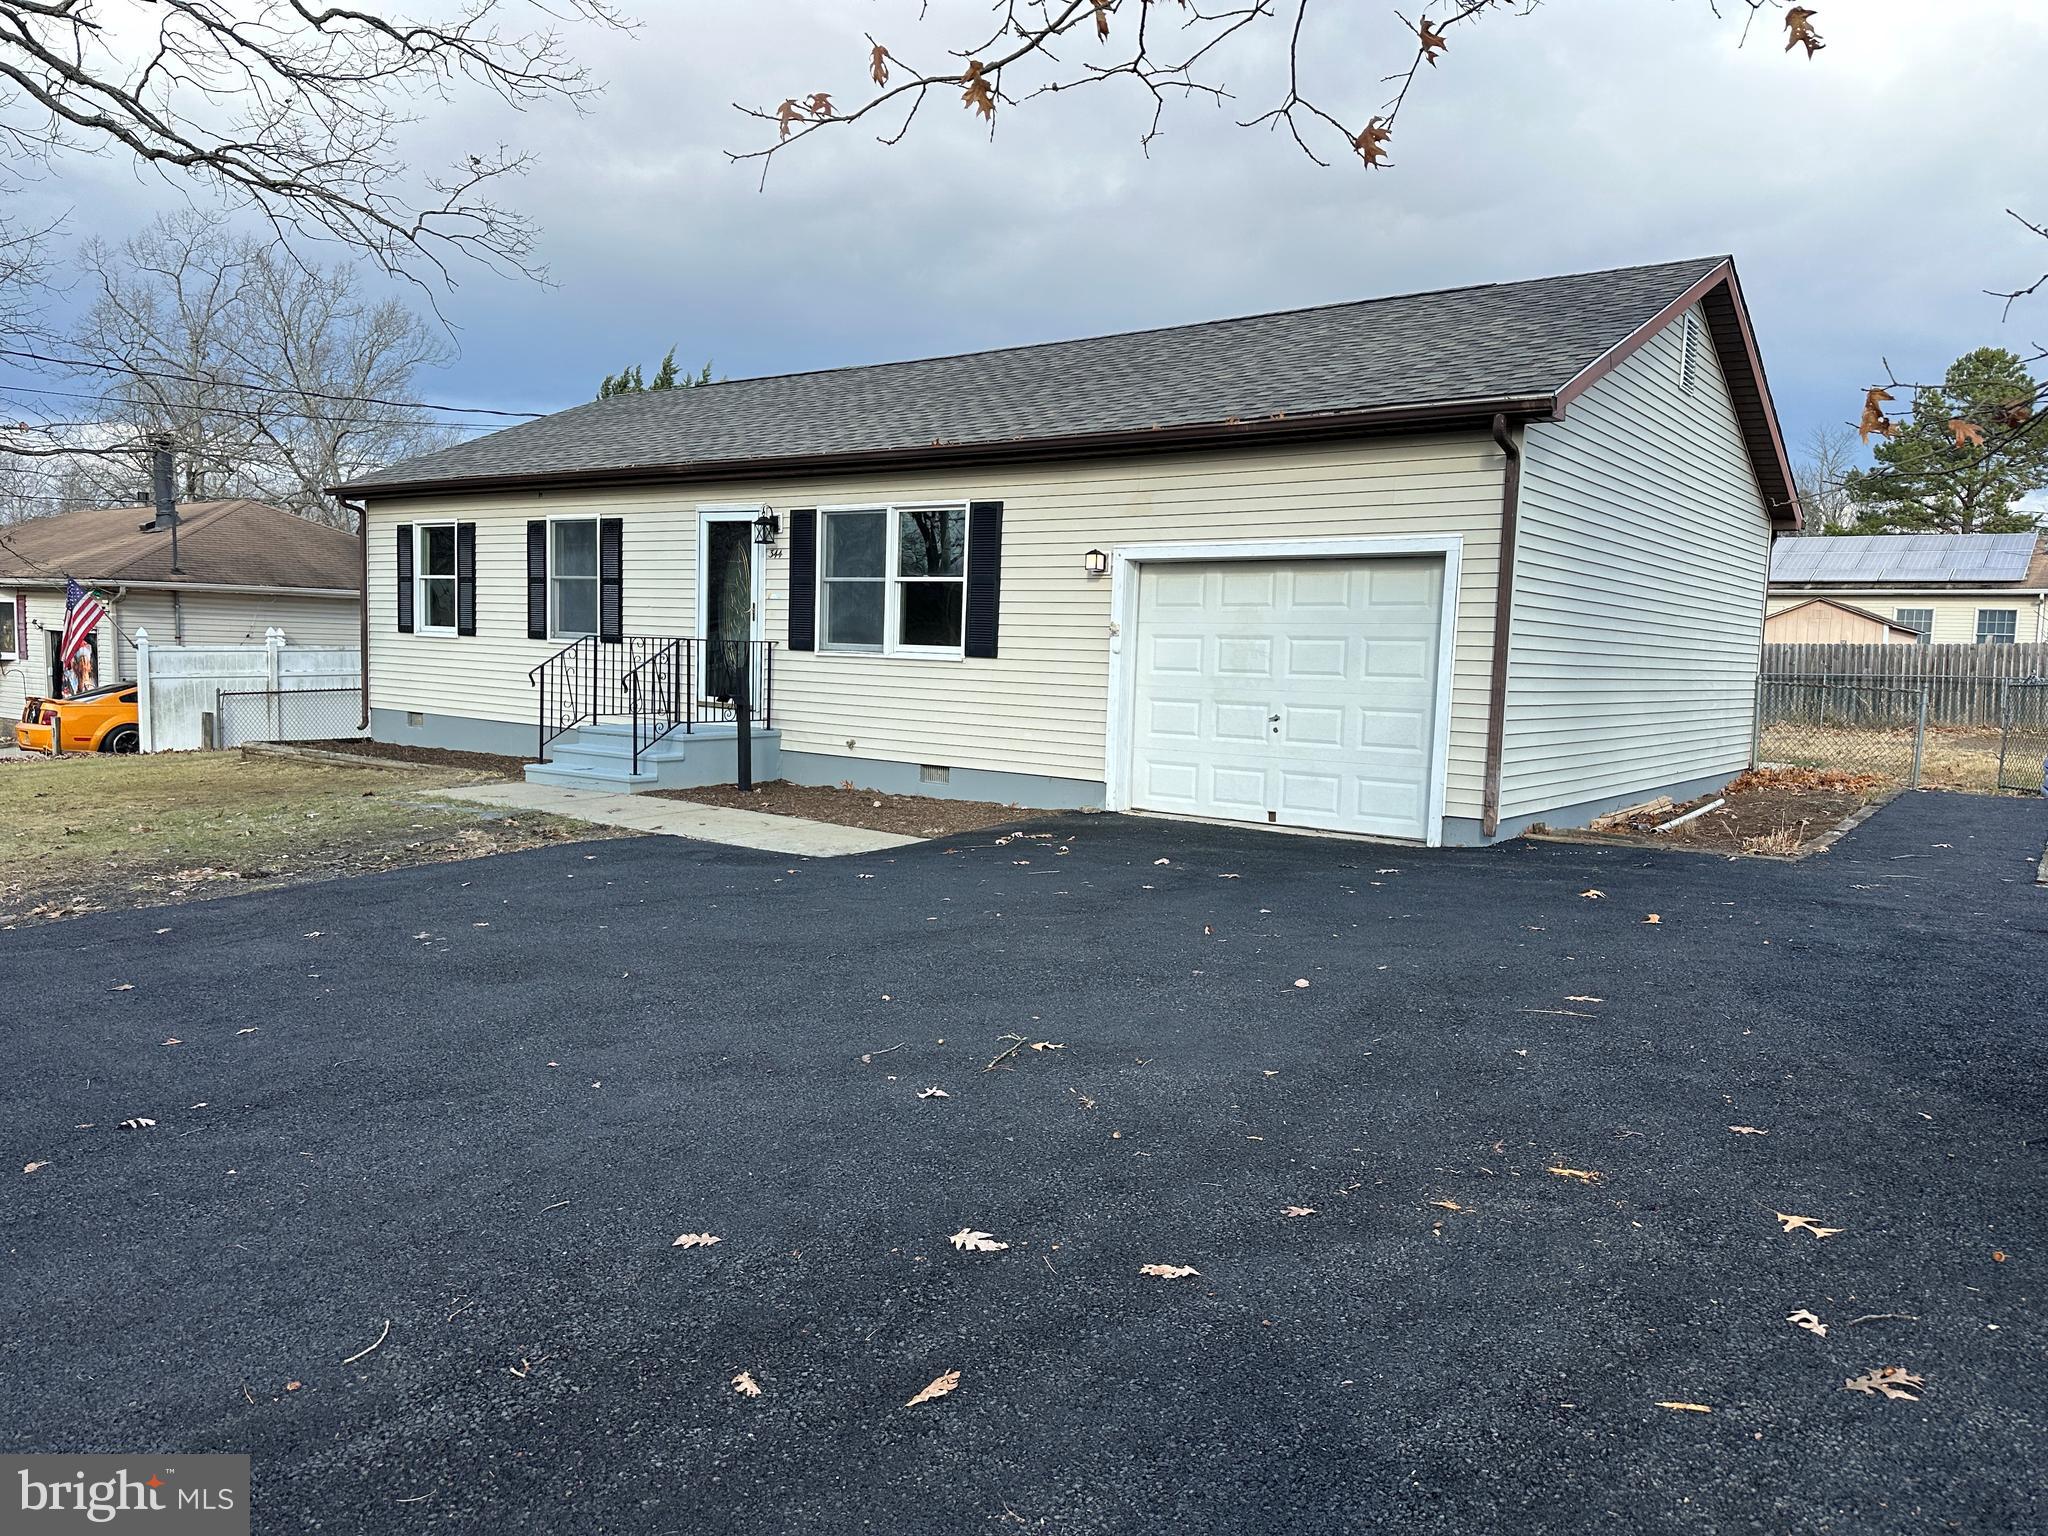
1952, 588
243, 567
1823, 621
1247, 570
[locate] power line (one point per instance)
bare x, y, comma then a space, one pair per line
132, 371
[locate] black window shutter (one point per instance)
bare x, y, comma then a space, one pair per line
405, 578
984, 575
611, 608
803, 580
537, 579
465, 578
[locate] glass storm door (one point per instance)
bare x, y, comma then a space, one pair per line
728, 601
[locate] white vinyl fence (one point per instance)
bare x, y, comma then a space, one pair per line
193, 696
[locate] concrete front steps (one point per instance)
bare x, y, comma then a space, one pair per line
600, 757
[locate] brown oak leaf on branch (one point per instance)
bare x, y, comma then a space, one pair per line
878, 65
786, 114
820, 105
1874, 419
1799, 30
1102, 19
1967, 433
1433, 42
1371, 143
976, 92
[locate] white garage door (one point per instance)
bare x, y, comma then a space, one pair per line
1301, 693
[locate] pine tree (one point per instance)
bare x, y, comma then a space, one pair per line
1974, 448
628, 381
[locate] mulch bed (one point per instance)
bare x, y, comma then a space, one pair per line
1774, 811
437, 757
906, 815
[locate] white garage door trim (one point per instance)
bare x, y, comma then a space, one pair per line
1123, 604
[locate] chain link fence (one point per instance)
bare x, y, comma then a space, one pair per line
2023, 735
1890, 732
287, 714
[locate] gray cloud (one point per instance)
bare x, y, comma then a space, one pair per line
1862, 193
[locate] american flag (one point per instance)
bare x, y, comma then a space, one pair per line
83, 611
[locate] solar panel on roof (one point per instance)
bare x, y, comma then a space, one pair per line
1903, 558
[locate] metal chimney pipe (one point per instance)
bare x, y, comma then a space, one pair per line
165, 491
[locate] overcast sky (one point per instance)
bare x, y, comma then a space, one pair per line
1862, 194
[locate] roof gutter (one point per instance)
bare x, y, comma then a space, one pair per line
362, 516
1503, 624
1473, 414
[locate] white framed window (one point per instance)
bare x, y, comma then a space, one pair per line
1689, 356
572, 577
893, 579
1919, 619
434, 577
1998, 626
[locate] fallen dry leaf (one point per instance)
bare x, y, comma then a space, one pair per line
1447, 1205
1594, 895
1653, 918
967, 1240
933, 1093
32, 1167
293, 1386
745, 1385
1168, 1271
1806, 1224
1301, 981
1583, 1175
1046, 1045
1893, 1381
940, 1386
1747, 1130
122, 986
174, 1040
1997, 1254
1686, 1407
1298, 1210
694, 1240
1805, 1319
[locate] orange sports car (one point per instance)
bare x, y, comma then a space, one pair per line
98, 720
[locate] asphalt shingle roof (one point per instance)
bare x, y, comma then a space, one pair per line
220, 543
1496, 342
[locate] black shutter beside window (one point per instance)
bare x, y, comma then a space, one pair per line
465, 578
803, 580
405, 578
537, 579
984, 575
611, 607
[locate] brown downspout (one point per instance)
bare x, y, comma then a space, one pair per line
362, 513
1503, 614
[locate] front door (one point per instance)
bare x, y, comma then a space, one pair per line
728, 598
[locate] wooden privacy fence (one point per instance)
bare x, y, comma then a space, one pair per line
1962, 682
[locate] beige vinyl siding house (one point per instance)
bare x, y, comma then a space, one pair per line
1245, 571
1954, 618
1951, 588
1644, 543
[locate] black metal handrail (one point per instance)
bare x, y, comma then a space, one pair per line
659, 683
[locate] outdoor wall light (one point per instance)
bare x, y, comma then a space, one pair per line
766, 527
1095, 563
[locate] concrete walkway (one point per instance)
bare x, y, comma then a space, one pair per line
683, 818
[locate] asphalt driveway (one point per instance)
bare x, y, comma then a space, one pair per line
480, 1100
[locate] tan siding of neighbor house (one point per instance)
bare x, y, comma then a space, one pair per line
1955, 613
1639, 590
1040, 708
1812, 623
